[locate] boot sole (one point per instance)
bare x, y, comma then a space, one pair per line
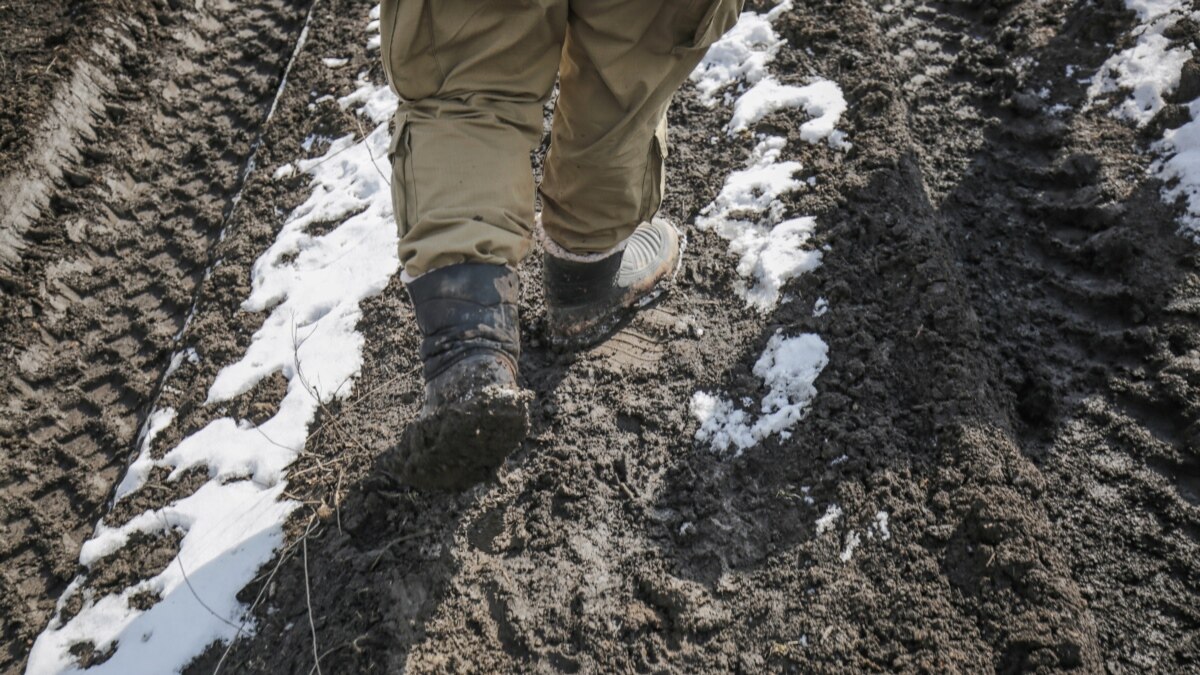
607, 325
463, 443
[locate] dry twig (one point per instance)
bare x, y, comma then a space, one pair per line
308, 601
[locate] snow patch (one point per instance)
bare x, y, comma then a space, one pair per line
822, 100
788, 368
177, 360
881, 525
1150, 69
138, 471
826, 522
312, 140
376, 102
1179, 168
1149, 10
853, 539
231, 530
747, 213
771, 247
740, 55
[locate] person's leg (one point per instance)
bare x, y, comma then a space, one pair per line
622, 62
472, 76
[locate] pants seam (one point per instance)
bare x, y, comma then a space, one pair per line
433, 46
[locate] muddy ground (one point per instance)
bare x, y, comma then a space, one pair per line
1014, 362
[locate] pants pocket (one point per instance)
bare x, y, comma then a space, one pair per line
655, 179
404, 194
718, 18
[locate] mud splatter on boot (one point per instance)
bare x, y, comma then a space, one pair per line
587, 297
475, 413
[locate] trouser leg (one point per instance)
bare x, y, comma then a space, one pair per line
472, 76
622, 62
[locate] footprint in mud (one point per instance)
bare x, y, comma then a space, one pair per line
643, 341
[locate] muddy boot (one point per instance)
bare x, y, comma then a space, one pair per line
587, 298
474, 412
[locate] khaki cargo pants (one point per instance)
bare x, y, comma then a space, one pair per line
473, 76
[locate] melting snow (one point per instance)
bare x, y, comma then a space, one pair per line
231, 531
852, 541
157, 421
825, 522
788, 368
822, 100
741, 55
1150, 70
1179, 168
881, 525
771, 247
1149, 10
376, 102
747, 214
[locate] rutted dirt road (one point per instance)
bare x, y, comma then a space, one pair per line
1013, 342
110, 209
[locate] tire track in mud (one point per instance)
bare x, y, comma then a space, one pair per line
1082, 285
106, 271
1074, 265
978, 517
218, 333
52, 61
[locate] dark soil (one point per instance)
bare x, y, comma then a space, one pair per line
1013, 336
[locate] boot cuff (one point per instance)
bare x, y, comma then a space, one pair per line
557, 250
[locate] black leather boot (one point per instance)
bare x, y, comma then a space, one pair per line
474, 412
587, 298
